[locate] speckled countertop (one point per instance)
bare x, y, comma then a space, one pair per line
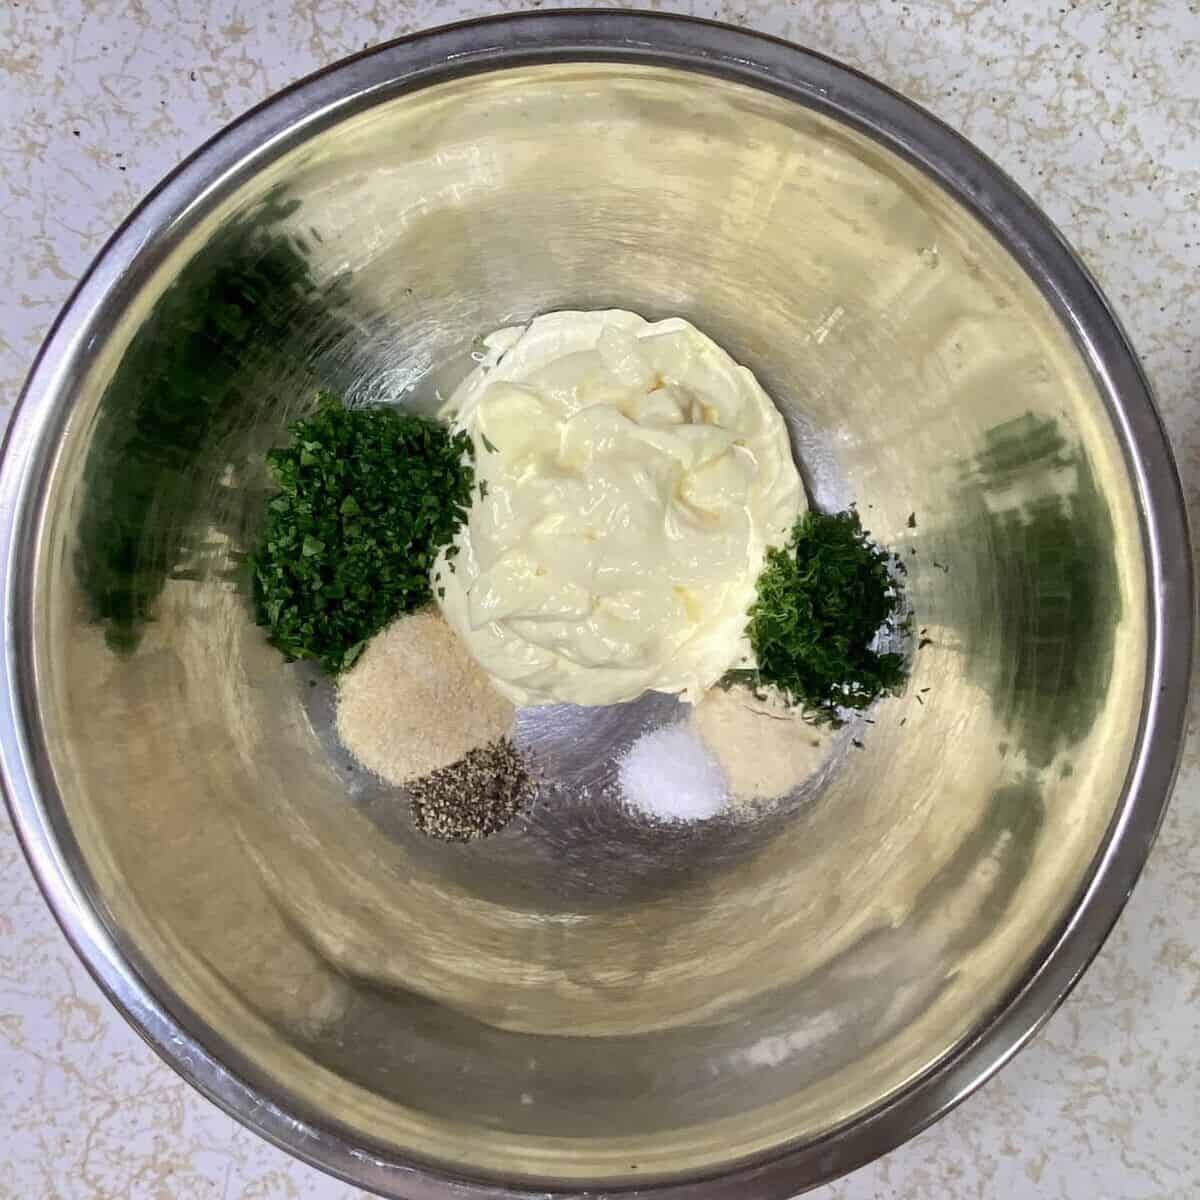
1093, 106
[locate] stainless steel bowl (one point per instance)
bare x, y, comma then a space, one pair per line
583, 1005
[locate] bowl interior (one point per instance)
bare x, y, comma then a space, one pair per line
584, 997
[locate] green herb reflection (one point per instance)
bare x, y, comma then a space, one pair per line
194, 373
1057, 601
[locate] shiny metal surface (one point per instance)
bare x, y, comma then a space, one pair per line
582, 1003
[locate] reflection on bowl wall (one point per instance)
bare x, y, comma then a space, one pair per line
584, 1000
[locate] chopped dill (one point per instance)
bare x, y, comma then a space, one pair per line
821, 600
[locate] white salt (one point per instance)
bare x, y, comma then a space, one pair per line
670, 774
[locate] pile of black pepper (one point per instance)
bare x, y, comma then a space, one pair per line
474, 797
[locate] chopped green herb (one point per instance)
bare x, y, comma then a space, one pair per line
367, 497
912, 520
821, 601
487, 445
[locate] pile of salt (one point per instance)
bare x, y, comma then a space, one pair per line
671, 775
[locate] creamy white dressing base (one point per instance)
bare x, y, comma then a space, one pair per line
631, 477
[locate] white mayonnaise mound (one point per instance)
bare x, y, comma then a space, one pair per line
632, 478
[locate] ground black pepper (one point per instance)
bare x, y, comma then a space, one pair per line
475, 796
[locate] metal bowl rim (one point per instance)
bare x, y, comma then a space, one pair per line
807, 78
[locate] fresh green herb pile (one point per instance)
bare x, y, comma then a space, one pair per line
367, 497
821, 600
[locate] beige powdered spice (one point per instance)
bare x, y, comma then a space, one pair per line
765, 748
416, 701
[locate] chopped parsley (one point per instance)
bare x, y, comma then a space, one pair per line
367, 497
821, 600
